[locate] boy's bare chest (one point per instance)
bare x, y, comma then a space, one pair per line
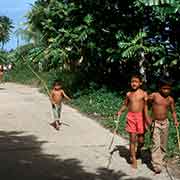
57, 93
161, 101
134, 97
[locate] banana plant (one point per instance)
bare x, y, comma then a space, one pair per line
135, 48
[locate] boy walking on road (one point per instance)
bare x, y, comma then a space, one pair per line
136, 103
56, 97
161, 103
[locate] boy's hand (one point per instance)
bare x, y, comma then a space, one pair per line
119, 113
176, 123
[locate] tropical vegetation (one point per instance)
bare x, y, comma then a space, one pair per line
93, 47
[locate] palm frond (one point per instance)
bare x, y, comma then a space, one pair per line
158, 2
139, 37
132, 51
124, 45
160, 61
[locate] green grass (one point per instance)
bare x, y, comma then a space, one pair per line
103, 105
21, 75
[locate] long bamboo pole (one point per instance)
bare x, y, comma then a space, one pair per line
44, 83
112, 140
178, 138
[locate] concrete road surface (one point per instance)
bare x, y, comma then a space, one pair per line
30, 149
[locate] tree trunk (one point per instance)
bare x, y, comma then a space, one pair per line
142, 68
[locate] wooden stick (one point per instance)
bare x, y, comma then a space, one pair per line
114, 133
177, 131
169, 174
44, 83
109, 161
47, 90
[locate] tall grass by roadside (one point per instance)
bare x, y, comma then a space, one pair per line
20, 75
102, 104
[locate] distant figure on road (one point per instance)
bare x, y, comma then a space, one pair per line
136, 104
1, 72
9, 67
56, 97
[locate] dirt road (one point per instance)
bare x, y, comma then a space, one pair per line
30, 149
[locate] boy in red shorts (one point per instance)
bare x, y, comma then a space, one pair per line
136, 103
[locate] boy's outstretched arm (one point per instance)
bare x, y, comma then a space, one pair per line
51, 99
150, 98
124, 106
148, 119
64, 94
173, 111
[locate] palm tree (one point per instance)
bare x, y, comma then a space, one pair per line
29, 36
35, 18
5, 29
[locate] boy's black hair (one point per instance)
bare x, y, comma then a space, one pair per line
165, 81
57, 83
137, 76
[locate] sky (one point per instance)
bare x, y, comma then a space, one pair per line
15, 10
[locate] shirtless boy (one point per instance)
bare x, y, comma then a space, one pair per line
136, 103
56, 96
162, 102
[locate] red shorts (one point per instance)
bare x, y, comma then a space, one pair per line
134, 122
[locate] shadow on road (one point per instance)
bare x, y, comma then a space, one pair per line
124, 152
21, 158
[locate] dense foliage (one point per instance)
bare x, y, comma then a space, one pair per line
105, 41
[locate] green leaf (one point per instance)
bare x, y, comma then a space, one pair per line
88, 19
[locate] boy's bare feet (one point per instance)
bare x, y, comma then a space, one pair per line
55, 125
157, 170
134, 163
138, 154
59, 123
